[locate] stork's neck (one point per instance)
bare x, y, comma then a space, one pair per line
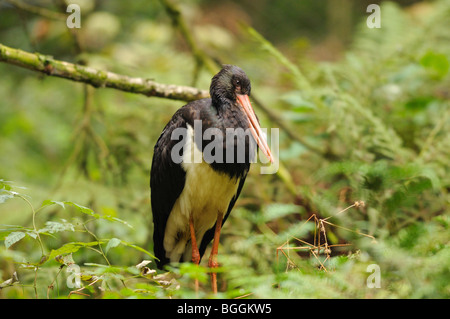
221, 103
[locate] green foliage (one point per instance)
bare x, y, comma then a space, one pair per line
436, 63
107, 276
373, 127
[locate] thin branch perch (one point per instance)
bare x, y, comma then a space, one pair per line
97, 78
41, 11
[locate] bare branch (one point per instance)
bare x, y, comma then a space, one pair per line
43, 12
97, 78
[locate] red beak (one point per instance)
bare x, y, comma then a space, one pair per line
255, 128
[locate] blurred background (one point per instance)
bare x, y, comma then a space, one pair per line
363, 116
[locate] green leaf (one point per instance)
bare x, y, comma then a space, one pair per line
5, 195
54, 227
142, 250
48, 202
71, 248
113, 242
33, 234
419, 103
13, 238
5, 184
436, 63
85, 210
90, 212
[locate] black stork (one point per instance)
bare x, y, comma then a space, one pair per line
192, 199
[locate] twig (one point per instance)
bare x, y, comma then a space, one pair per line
97, 78
316, 247
78, 291
100, 251
35, 282
201, 58
356, 204
34, 212
43, 12
51, 286
301, 81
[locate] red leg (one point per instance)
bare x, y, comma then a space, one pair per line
195, 252
215, 249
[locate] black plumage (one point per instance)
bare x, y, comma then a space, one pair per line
168, 177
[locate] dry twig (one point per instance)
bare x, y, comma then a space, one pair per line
318, 247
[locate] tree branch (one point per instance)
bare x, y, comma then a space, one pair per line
43, 12
97, 78
201, 58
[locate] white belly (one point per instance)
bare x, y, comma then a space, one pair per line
205, 194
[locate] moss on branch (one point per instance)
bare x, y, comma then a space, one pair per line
97, 78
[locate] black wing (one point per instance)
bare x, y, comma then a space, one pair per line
167, 180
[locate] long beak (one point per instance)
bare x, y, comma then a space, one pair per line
255, 128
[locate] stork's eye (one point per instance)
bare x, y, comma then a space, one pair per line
237, 85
